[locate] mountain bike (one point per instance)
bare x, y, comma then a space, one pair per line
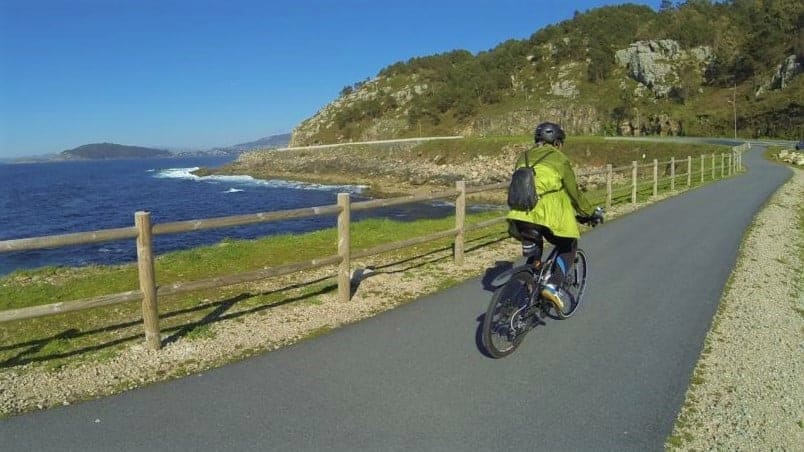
517, 305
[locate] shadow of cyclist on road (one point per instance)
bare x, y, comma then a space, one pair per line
492, 273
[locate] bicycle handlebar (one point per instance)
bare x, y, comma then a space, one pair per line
593, 220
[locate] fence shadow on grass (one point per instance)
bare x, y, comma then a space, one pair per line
417, 261
218, 314
221, 310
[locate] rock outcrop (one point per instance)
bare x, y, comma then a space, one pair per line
795, 158
783, 75
575, 119
662, 125
655, 64
374, 89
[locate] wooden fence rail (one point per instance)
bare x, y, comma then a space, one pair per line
143, 231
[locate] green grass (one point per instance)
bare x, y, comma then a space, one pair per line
97, 333
200, 332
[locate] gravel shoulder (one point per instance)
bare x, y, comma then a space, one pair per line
747, 391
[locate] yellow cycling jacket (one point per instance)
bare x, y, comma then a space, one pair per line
559, 196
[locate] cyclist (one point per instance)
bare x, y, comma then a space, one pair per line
553, 218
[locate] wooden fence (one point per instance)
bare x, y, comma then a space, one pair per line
143, 231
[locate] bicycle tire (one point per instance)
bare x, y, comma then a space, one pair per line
506, 321
574, 285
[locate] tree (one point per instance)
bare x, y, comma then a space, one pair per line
601, 62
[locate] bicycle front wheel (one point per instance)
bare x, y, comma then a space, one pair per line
574, 285
507, 318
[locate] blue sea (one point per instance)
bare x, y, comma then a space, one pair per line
40, 199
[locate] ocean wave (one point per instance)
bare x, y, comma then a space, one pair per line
442, 203
234, 190
177, 173
243, 180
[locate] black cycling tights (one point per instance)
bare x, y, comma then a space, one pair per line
532, 237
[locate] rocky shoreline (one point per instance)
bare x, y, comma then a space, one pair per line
401, 171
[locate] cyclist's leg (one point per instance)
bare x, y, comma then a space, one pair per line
531, 237
566, 248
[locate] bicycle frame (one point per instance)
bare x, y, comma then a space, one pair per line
504, 277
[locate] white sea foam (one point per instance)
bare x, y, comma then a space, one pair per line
242, 180
441, 203
234, 190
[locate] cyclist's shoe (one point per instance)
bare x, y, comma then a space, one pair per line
550, 293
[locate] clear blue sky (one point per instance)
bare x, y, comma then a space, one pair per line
199, 74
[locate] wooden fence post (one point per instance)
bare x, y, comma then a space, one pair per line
731, 163
703, 165
734, 155
713, 166
722, 165
145, 267
460, 218
655, 177
634, 182
689, 171
672, 173
609, 177
344, 244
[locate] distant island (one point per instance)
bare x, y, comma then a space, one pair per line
103, 151
110, 151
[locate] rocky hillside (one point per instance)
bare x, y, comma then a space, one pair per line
622, 70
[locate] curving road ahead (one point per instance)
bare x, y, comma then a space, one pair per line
611, 378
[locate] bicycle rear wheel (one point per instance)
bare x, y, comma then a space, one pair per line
507, 318
574, 285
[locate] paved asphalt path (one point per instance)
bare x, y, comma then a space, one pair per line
611, 378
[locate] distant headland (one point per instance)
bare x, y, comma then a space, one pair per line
110, 151
104, 151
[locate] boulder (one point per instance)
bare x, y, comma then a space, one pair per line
795, 158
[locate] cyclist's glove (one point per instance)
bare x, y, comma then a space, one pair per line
593, 220
597, 217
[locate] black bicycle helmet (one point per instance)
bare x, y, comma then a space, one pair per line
548, 132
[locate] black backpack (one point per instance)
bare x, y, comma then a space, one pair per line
522, 189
